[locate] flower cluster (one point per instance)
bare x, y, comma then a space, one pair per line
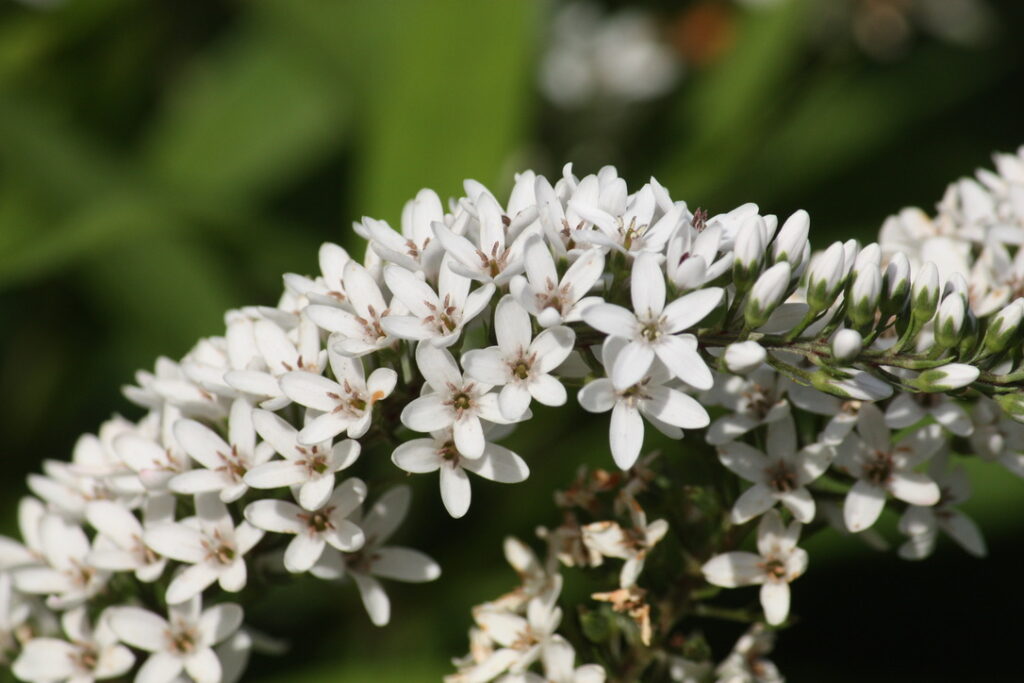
827, 380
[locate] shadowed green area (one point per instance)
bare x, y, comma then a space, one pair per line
163, 162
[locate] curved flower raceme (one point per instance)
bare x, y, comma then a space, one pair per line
805, 386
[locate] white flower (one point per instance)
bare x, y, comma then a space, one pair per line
359, 331
67, 577
670, 411
922, 524
86, 656
882, 467
490, 260
997, 437
780, 476
552, 300
692, 256
377, 560
224, 464
611, 540
922, 240
414, 248
310, 468
119, 546
522, 639
328, 288
181, 643
653, 329
777, 563
496, 463
281, 355
29, 551
631, 229
14, 612
908, 409
346, 404
435, 316
453, 402
748, 663
313, 530
155, 460
211, 543
520, 364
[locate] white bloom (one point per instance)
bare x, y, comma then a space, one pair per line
908, 409
119, 546
550, 299
748, 663
522, 639
924, 240
496, 463
377, 560
520, 364
453, 402
692, 256
313, 530
922, 524
414, 248
754, 400
777, 563
631, 227
490, 260
29, 551
997, 437
345, 403
211, 543
181, 643
155, 460
435, 316
359, 331
224, 464
882, 467
310, 468
327, 289
87, 655
281, 355
670, 411
67, 577
611, 540
780, 476
653, 329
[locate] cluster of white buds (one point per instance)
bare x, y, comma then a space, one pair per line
434, 347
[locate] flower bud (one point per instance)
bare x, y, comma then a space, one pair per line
846, 344
743, 357
949, 322
825, 277
857, 385
895, 285
946, 378
870, 255
864, 294
851, 248
792, 238
748, 251
956, 283
767, 293
1004, 326
925, 293
969, 334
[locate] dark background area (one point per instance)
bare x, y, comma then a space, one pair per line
162, 162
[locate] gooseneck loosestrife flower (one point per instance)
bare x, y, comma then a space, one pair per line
811, 390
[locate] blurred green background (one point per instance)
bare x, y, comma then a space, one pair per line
161, 162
